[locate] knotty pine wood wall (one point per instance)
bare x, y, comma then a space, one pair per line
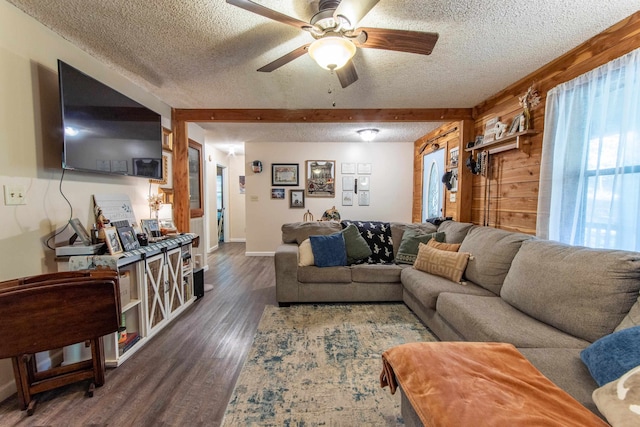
513, 183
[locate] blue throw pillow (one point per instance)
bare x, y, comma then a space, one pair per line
613, 355
329, 251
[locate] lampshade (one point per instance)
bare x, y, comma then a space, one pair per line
332, 52
368, 134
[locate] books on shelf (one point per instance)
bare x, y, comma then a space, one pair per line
132, 339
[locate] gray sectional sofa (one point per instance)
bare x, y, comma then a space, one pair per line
548, 299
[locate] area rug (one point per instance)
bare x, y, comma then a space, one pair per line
319, 365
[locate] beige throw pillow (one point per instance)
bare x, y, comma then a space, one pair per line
450, 247
619, 400
450, 265
305, 254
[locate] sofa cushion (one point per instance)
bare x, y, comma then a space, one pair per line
398, 228
376, 273
329, 251
408, 250
584, 292
445, 264
313, 274
426, 287
482, 318
378, 236
297, 232
455, 231
611, 356
357, 247
619, 400
492, 250
305, 254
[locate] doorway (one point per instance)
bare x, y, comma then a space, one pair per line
432, 191
220, 201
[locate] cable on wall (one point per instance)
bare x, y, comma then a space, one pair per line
47, 242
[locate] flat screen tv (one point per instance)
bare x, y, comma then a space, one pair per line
105, 131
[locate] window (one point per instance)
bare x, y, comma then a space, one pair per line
590, 170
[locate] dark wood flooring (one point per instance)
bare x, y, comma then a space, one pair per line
185, 375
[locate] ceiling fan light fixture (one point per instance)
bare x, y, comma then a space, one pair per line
332, 53
368, 135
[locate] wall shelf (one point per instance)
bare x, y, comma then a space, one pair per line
518, 140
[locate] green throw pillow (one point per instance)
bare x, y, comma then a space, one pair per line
408, 249
357, 247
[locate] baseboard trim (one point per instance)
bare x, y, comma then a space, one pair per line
237, 240
7, 390
259, 253
55, 359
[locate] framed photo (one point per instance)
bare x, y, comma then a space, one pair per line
348, 168
151, 227
112, 240
515, 124
320, 178
277, 193
364, 168
128, 238
347, 198
364, 183
363, 198
80, 231
167, 139
296, 198
348, 183
285, 174
490, 130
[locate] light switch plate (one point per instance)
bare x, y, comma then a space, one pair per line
15, 195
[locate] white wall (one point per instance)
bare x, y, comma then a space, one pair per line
30, 138
236, 214
391, 186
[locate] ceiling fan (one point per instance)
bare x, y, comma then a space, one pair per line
336, 36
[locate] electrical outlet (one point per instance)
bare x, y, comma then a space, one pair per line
15, 195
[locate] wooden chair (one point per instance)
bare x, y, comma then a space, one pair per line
51, 311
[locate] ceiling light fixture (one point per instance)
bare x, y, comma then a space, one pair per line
368, 134
332, 52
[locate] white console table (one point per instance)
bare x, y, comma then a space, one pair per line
156, 285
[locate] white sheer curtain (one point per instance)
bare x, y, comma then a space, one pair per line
590, 168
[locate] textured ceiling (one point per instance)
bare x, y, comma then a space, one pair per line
205, 53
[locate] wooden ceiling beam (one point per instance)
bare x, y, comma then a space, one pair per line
323, 116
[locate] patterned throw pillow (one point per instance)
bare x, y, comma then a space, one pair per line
449, 247
408, 249
378, 236
619, 400
450, 265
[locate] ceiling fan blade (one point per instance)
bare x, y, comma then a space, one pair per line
285, 59
399, 40
270, 13
354, 10
347, 74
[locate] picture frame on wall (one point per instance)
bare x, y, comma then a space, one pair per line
348, 168
363, 198
347, 198
320, 178
277, 193
364, 168
112, 240
167, 139
296, 198
287, 174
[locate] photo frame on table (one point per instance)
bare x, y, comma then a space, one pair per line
80, 231
128, 238
151, 227
320, 178
515, 124
285, 174
112, 240
296, 198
